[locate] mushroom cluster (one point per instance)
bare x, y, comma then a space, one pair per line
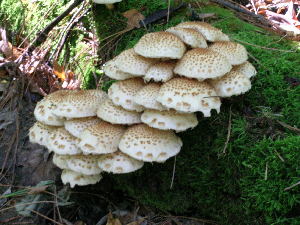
161, 83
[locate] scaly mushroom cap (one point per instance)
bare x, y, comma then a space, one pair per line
202, 63
160, 72
61, 161
85, 164
77, 125
39, 132
130, 62
233, 83
234, 52
189, 95
111, 113
101, 138
246, 68
80, 103
118, 162
189, 36
122, 93
147, 96
149, 144
209, 32
111, 70
75, 178
62, 142
169, 120
160, 45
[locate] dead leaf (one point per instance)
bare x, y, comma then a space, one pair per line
139, 222
59, 71
112, 221
133, 18
38, 189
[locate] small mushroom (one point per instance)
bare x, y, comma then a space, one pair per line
61, 161
75, 178
77, 125
39, 133
246, 68
111, 70
108, 3
149, 144
118, 162
85, 164
160, 72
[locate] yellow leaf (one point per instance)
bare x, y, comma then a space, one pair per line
59, 71
112, 221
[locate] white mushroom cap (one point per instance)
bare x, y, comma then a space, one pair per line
62, 142
246, 68
149, 144
122, 93
147, 96
118, 162
130, 62
209, 32
233, 83
189, 95
234, 52
202, 63
111, 70
77, 125
61, 161
169, 120
106, 1
111, 113
80, 103
39, 133
160, 72
160, 45
189, 36
85, 164
101, 138
75, 178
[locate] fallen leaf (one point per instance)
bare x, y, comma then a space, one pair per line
112, 221
59, 71
133, 18
38, 189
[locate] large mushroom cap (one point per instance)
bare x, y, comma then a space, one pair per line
75, 178
118, 162
246, 68
85, 164
189, 36
160, 72
62, 142
111, 113
201, 63
130, 62
111, 70
61, 161
169, 120
209, 32
234, 52
160, 45
39, 133
101, 138
149, 144
189, 95
233, 83
77, 125
122, 93
79, 103
147, 96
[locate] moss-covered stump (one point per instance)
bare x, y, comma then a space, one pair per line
246, 182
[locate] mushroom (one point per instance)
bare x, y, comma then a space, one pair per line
130, 62
202, 63
61, 161
122, 93
234, 52
101, 138
208, 31
118, 162
39, 132
75, 178
246, 68
147, 96
160, 45
189, 36
149, 144
77, 125
85, 164
169, 120
160, 72
189, 95
111, 70
108, 3
116, 114
62, 142
233, 83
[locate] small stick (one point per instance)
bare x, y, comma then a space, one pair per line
228, 132
292, 186
266, 171
173, 175
45, 217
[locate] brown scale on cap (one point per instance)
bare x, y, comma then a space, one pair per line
39, 133
160, 72
111, 70
77, 125
160, 45
202, 64
85, 164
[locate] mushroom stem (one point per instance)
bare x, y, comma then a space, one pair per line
110, 6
